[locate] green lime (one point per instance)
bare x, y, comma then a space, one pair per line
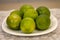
24, 8
31, 13
43, 22
13, 21
27, 25
42, 10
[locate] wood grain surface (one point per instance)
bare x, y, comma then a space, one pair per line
8, 5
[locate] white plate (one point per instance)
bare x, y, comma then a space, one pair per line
53, 26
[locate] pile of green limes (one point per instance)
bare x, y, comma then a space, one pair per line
27, 19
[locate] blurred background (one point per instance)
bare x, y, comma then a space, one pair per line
16, 4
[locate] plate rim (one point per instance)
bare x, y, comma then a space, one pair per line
31, 34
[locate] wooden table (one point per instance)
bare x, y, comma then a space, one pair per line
17, 5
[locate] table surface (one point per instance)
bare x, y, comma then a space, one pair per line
55, 35
17, 4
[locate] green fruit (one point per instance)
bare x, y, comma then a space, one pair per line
15, 12
43, 22
24, 8
31, 13
27, 25
43, 10
13, 21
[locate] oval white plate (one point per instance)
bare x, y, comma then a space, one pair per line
52, 27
